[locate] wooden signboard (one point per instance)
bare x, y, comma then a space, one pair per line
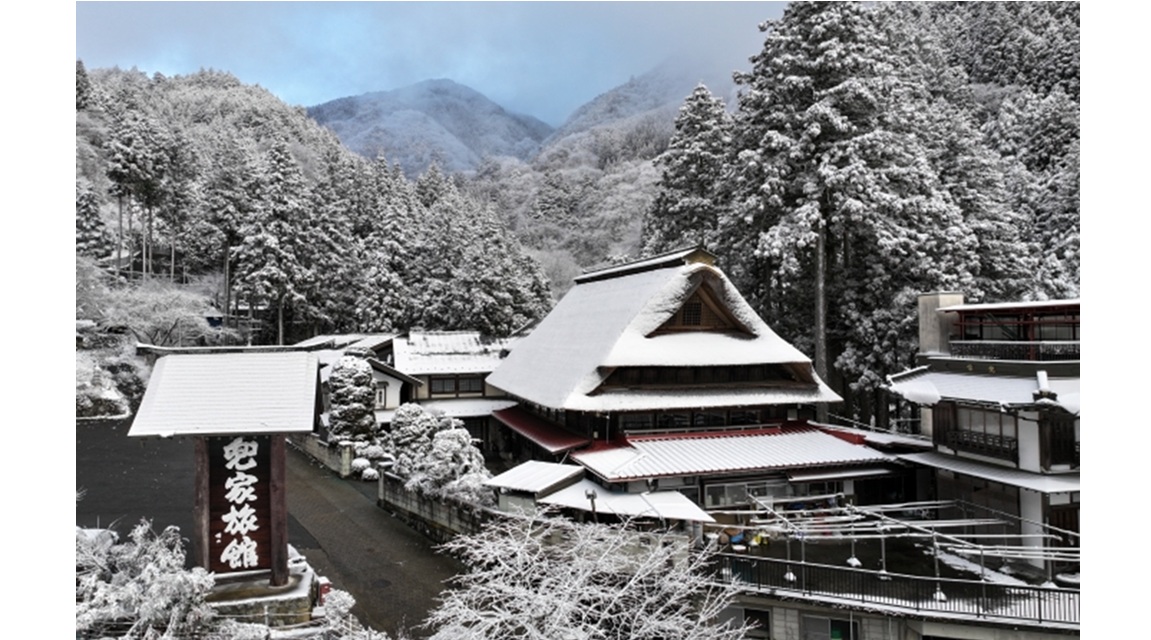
239, 499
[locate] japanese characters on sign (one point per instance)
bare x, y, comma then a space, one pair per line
239, 504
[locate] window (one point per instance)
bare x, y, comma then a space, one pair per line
381, 396
692, 313
471, 385
976, 430
456, 385
818, 628
760, 621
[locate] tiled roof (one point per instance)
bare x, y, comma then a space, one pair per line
229, 393
719, 453
446, 352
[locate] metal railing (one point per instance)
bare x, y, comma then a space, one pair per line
1016, 350
926, 595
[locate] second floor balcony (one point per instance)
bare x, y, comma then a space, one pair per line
1047, 350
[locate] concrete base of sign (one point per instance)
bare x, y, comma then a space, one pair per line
253, 599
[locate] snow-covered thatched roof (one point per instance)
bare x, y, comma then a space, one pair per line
693, 454
214, 394
612, 319
447, 352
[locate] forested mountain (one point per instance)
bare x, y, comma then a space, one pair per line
869, 153
879, 152
201, 179
432, 122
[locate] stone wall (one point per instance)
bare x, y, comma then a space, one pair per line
437, 519
337, 457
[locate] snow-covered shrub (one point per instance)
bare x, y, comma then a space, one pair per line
369, 474
373, 452
234, 630
359, 464
452, 468
411, 437
353, 393
141, 583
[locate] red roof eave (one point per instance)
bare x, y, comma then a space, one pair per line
551, 437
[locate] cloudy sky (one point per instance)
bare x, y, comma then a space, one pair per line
539, 58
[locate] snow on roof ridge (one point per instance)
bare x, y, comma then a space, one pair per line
662, 261
781, 429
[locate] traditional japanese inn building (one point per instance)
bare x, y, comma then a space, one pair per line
658, 374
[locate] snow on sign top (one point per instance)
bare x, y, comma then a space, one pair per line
215, 394
612, 319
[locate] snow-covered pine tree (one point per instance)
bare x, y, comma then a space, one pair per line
91, 233
353, 393
838, 190
337, 255
971, 172
136, 167
272, 261
691, 187
387, 212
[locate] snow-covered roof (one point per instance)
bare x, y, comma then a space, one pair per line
466, 407
609, 322
535, 477
229, 393
384, 368
1043, 483
881, 438
447, 352
998, 306
668, 505
927, 387
724, 452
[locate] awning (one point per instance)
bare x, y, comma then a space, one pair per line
837, 474
1043, 483
667, 505
550, 437
536, 477
467, 407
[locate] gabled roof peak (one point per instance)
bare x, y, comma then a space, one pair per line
675, 258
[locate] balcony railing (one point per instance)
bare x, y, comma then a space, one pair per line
922, 595
1014, 350
986, 444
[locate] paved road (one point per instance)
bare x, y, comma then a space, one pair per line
389, 568
392, 571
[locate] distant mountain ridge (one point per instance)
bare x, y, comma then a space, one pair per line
456, 127
437, 121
